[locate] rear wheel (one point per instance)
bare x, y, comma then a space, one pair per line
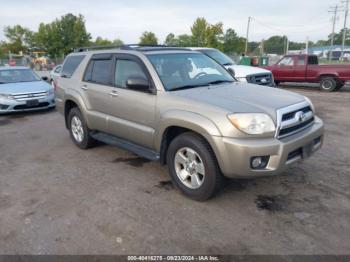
277, 83
193, 167
328, 84
79, 132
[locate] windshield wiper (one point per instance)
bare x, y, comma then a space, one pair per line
219, 82
227, 64
187, 87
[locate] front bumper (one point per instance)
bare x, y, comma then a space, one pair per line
12, 105
234, 155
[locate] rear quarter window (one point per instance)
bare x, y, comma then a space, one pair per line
71, 64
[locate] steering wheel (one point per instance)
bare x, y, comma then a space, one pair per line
200, 74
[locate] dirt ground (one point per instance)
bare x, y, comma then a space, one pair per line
58, 199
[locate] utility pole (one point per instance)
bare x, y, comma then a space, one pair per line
247, 36
345, 27
333, 10
307, 45
287, 45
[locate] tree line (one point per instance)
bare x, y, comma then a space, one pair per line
61, 36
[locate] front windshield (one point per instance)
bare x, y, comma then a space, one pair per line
188, 70
218, 56
17, 75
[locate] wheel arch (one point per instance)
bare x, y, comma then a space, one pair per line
178, 122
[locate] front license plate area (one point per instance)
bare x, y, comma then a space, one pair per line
33, 102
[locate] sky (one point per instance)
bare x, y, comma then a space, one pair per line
127, 19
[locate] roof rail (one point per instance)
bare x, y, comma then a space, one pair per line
139, 47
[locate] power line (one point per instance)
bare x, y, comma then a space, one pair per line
334, 10
345, 26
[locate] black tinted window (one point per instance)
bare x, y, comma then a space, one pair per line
71, 64
101, 72
313, 60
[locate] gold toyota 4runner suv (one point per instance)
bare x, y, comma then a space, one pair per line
184, 109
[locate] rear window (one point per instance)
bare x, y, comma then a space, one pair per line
71, 64
312, 60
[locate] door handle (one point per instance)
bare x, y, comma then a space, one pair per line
113, 93
84, 87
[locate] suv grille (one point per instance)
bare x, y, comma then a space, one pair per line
294, 119
260, 79
29, 96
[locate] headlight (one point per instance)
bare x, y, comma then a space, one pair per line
6, 96
50, 92
311, 104
252, 123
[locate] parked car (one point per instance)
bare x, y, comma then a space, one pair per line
161, 104
248, 74
305, 68
54, 73
23, 90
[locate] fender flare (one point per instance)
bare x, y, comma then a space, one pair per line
188, 120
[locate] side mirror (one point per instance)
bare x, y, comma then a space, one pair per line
45, 78
231, 71
138, 83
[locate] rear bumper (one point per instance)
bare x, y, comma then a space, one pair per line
11, 105
234, 155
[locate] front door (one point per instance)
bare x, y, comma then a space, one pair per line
132, 112
285, 69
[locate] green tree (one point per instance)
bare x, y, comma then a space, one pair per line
61, 36
117, 42
199, 32
184, 40
19, 39
148, 38
338, 37
99, 41
214, 36
171, 40
233, 43
275, 44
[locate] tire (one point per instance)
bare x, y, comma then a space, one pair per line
203, 178
83, 141
277, 83
328, 84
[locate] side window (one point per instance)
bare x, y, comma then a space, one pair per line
287, 61
99, 71
301, 60
125, 69
70, 65
312, 60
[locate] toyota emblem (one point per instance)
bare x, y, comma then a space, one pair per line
300, 116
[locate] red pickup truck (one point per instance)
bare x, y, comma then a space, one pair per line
305, 68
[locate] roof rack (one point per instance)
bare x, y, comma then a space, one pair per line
137, 47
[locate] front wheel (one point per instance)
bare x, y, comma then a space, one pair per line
328, 84
79, 132
193, 167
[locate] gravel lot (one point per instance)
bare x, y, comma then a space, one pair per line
57, 199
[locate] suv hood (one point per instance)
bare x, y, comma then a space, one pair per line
243, 71
243, 98
24, 87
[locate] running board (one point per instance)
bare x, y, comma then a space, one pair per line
125, 144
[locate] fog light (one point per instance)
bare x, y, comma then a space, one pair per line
3, 107
259, 162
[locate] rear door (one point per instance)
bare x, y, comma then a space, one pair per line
96, 88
